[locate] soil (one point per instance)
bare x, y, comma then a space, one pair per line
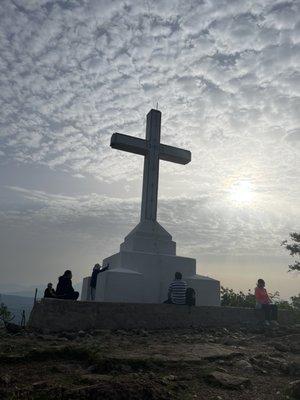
150, 365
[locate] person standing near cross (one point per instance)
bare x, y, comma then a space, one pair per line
93, 283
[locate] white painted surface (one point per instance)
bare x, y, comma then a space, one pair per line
86, 290
144, 277
149, 237
147, 261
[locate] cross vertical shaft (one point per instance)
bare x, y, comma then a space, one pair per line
151, 167
153, 151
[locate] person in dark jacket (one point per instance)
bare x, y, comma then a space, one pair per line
50, 292
93, 283
64, 289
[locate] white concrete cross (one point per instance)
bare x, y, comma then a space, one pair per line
153, 151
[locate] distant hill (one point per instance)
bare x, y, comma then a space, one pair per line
16, 304
26, 293
23, 291
18, 298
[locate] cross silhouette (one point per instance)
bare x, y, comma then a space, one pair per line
153, 151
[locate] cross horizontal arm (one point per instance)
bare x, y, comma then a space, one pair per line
128, 143
174, 154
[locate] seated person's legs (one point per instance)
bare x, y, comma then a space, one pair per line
74, 296
70, 296
273, 312
267, 311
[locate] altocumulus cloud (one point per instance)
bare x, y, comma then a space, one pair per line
200, 224
226, 76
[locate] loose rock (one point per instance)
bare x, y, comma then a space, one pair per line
293, 368
5, 379
40, 384
92, 369
228, 381
244, 365
281, 347
293, 389
70, 335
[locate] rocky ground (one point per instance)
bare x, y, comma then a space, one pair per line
262, 364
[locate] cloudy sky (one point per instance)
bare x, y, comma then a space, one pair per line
226, 77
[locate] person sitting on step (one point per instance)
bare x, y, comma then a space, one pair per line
50, 292
190, 297
264, 302
177, 290
64, 289
93, 282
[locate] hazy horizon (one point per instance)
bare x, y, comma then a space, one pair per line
226, 78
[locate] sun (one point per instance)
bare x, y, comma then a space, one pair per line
241, 192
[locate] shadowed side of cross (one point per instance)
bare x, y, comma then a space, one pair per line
153, 151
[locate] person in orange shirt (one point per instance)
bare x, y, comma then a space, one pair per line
264, 302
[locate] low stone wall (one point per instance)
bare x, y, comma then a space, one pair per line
66, 315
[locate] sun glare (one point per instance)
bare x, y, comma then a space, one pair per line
241, 192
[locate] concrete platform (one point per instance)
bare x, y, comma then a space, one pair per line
144, 267
52, 315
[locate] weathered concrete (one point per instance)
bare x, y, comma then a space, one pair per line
67, 315
147, 262
146, 279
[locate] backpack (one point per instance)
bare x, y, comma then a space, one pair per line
190, 297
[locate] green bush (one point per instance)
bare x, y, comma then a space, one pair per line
5, 314
296, 302
230, 298
293, 247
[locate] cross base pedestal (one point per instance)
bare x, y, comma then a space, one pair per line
146, 264
144, 277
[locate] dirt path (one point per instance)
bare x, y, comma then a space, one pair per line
190, 364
